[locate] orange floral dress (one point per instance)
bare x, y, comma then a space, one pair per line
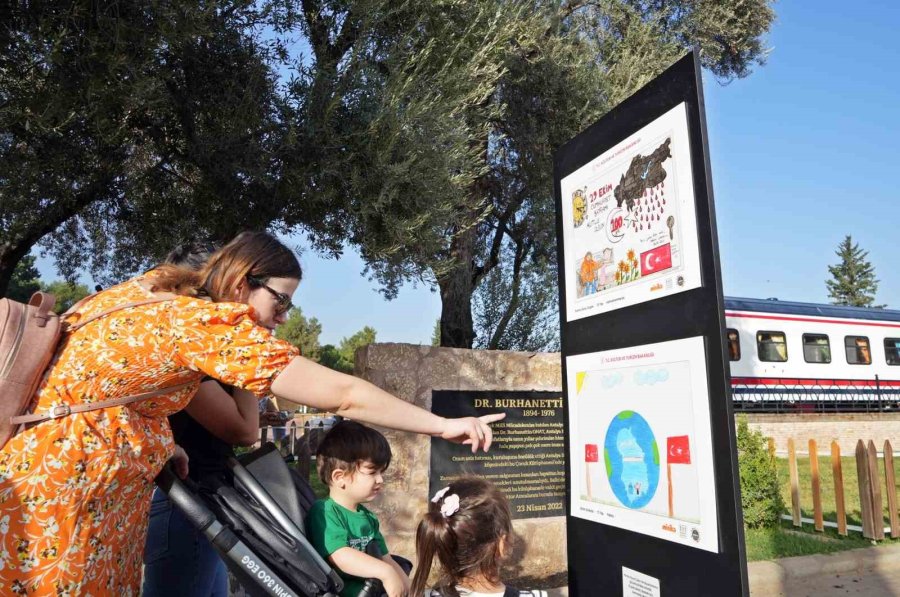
75, 491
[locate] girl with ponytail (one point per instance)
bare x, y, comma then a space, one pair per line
468, 530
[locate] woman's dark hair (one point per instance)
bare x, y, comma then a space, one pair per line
193, 254
348, 445
256, 254
466, 542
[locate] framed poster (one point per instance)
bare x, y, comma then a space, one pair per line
640, 443
629, 221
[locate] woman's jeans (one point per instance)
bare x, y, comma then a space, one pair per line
178, 559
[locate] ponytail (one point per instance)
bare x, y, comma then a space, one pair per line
435, 537
466, 523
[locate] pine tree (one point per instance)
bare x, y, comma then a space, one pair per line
854, 281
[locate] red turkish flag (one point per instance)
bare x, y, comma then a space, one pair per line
656, 259
679, 450
591, 453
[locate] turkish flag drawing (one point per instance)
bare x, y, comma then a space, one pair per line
591, 453
679, 449
656, 259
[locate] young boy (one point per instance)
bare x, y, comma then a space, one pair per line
351, 460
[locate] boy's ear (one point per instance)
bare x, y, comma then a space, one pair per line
337, 477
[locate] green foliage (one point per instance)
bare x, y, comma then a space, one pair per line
436, 333
343, 357
760, 493
853, 279
25, 281
126, 131
422, 133
517, 310
477, 95
66, 293
330, 357
302, 332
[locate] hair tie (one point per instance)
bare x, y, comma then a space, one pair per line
451, 502
450, 505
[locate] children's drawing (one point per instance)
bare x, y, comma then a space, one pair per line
620, 240
643, 412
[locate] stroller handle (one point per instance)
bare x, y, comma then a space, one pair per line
264, 581
201, 516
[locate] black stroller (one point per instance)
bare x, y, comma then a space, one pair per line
256, 525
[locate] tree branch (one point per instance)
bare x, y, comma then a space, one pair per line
522, 249
318, 31
13, 250
497, 243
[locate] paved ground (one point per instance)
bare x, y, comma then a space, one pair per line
865, 572
868, 584
869, 572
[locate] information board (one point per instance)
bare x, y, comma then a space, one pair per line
653, 496
527, 457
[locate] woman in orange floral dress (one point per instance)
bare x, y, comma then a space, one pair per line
75, 491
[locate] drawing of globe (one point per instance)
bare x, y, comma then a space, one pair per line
631, 456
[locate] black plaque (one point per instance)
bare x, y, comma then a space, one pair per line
527, 458
600, 554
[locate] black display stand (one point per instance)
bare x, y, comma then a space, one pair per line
598, 552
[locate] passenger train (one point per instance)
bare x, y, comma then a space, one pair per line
795, 357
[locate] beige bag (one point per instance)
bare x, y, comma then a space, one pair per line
29, 335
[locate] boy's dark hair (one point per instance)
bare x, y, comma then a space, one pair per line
348, 445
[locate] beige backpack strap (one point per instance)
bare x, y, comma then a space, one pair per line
64, 410
80, 324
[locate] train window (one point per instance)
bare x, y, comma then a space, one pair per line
892, 351
816, 348
857, 349
771, 346
733, 340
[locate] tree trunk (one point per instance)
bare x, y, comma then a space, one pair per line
16, 246
9, 259
457, 288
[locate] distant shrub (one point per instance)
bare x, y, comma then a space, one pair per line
760, 492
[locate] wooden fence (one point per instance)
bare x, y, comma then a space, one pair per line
869, 481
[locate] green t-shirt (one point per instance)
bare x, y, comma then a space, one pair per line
331, 526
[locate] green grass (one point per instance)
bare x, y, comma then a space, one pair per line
785, 542
851, 487
320, 489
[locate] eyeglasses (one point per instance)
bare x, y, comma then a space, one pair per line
284, 300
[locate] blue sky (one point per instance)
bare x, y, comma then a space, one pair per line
803, 152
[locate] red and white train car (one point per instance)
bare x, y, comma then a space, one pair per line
788, 356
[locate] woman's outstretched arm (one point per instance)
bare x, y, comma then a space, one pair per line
312, 384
